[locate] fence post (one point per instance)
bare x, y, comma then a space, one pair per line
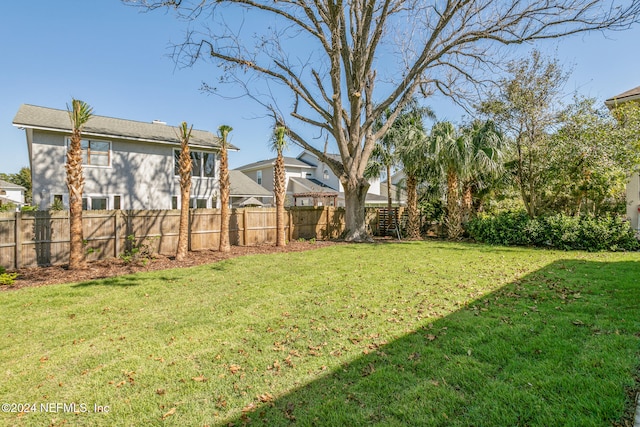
245, 226
17, 261
290, 224
328, 223
116, 234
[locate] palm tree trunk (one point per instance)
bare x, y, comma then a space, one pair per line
467, 201
185, 198
224, 202
453, 221
413, 228
75, 184
280, 193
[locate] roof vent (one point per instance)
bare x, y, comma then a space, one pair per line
159, 122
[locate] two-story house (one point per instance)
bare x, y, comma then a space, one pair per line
127, 164
633, 185
308, 181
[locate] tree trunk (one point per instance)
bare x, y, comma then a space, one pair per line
183, 231
185, 167
355, 224
413, 227
75, 184
467, 202
453, 222
224, 202
390, 218
280, 193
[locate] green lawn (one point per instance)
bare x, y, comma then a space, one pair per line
421, 333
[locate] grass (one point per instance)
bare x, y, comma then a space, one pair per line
422, 333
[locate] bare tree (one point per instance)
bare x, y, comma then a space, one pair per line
185, 166
344, 63
79, 114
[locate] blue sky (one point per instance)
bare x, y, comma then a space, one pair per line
115, 58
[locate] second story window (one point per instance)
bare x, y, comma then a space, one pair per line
95, 153
203, 164
259, 177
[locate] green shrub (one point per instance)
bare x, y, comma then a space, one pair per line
7, 279
555, 231
140, 252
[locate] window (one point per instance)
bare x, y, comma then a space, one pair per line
94, 203
209, 162
94, 153
116, 203
196, 163
201, 203
325, 174
203, 164
174, 202
259, 177
98, 203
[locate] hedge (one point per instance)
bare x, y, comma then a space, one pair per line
560, 231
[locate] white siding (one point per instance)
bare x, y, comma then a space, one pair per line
141, 173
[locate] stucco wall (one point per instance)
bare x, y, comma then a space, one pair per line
141, 173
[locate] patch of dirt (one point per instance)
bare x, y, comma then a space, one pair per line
40, 276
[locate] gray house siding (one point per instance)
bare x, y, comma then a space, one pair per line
140, 174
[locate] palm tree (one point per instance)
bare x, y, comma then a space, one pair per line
278, 144
382, 158
417, 163
223, 133
400, 137
184, 169
451, 151
484, 161
79, 114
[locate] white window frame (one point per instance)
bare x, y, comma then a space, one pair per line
193, 201
176, 152
85, 165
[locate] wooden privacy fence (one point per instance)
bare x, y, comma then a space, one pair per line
30, 239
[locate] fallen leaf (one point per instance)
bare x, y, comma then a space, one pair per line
249, 408
160, 391
199, 379
169, 413
234, 368
266, 397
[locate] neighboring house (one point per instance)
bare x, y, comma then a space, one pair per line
127, 164
633, 185
11, 193
308, 181
398, 189
246, 192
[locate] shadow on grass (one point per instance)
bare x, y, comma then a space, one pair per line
557, 347
122, 281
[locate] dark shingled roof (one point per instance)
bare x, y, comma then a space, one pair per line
242, 185
629, 95
10, 186
32, 116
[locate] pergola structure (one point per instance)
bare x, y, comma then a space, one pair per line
324, 196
